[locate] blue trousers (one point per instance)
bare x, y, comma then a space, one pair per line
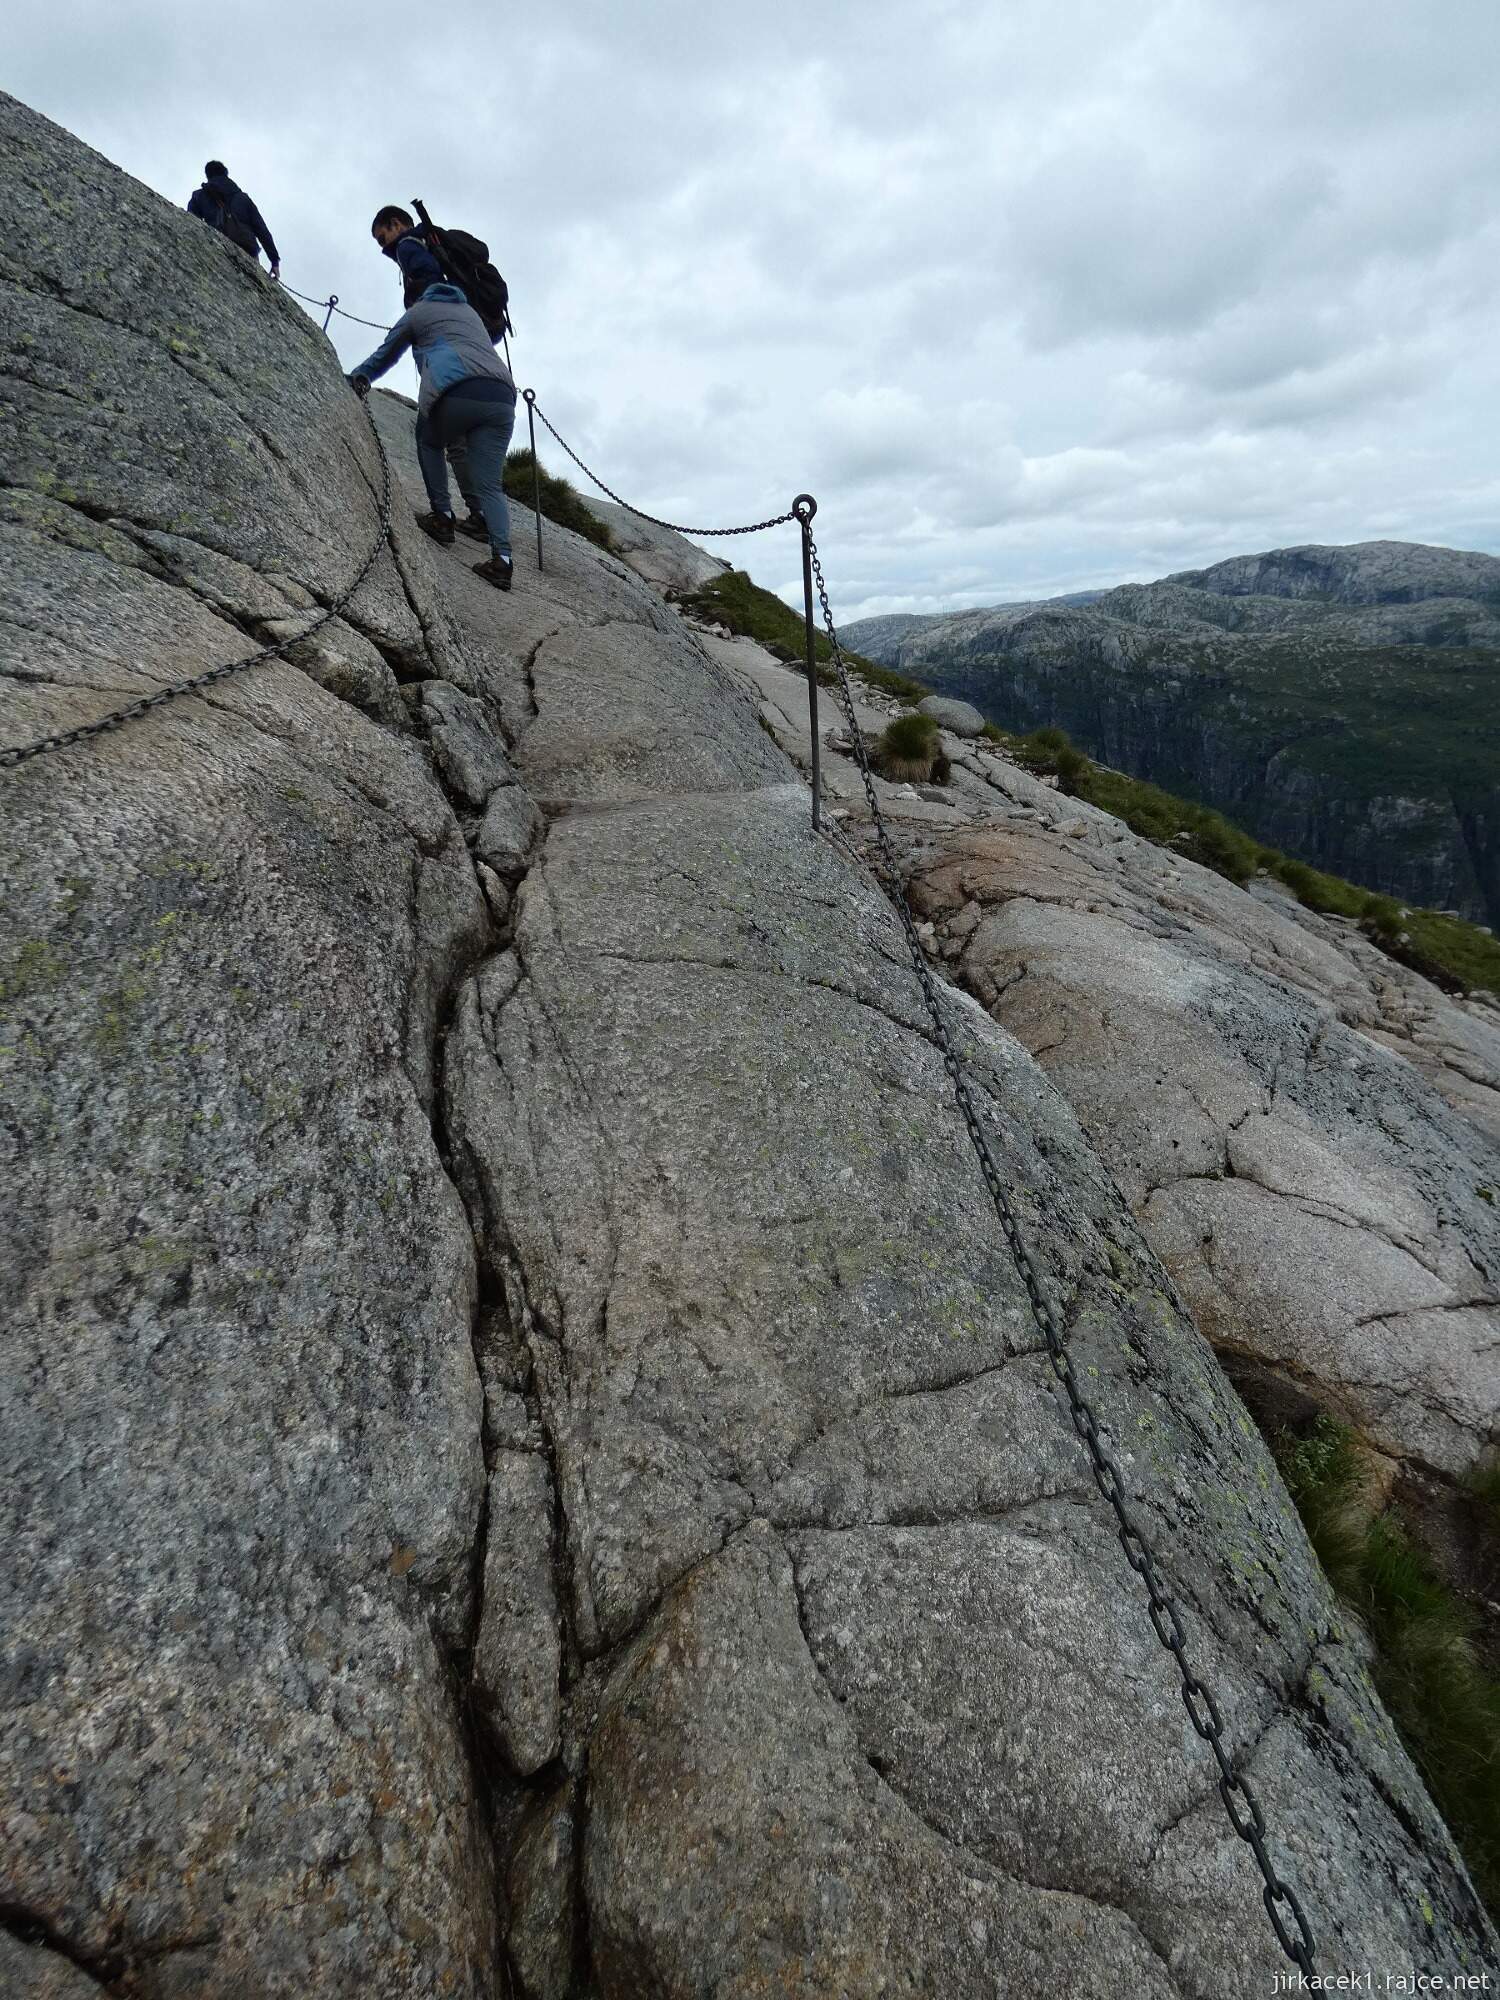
477, 415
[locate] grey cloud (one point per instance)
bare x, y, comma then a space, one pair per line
1109, 241
1033, 298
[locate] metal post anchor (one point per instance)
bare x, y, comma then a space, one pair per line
804, 507
333, 301
536, 473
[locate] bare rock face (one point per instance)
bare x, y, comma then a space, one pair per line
824, 1528
528, 1465
1307, 1132
1360, 574
1306, 1136
664, 559
35, 1972
240, 1412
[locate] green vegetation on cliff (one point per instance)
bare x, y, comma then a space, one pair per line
759, 614
1428, 1667
560, 501
1342, 703
909, 748
1353, 714
1455, 955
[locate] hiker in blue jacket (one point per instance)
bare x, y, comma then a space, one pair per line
401, 240
467, 396
227, 208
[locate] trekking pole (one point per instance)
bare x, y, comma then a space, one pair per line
804, 507
333, 301
536, 474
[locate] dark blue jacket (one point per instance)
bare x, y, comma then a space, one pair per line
419, 268
219, 203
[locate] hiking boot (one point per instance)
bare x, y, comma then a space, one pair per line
498, 570
474, 527
439, 526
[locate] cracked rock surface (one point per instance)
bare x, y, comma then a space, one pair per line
1317, 1197
1307, 1132
527, 1467
1323, 1203
855, 1684
239, 1406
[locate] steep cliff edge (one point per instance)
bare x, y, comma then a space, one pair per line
1307, 1133
1338, 702
527, 1465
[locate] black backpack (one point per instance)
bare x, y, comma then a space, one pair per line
466, 263
229, 224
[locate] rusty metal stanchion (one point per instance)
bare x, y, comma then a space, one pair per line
536, 473
804, 507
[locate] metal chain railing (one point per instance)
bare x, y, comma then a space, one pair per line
21, 753
1240, 1802
751, 528
329, 306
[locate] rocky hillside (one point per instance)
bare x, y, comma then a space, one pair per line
529, 1468
1308, 1132
1341, 703
1308, 1135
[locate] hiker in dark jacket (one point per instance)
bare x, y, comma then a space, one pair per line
401, 240
230, 210
466, 396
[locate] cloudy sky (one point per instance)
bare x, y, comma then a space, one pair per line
1034, 296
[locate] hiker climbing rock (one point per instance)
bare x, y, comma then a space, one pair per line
466, 396
227, 208
427, 256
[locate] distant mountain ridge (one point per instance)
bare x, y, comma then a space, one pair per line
1353, 573
880, 635
1342, 702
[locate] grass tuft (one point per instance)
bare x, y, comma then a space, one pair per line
1452, 953
560, 501
907, 749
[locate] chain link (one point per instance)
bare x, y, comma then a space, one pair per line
1240, 1803
332, 305
21, 753
752, 528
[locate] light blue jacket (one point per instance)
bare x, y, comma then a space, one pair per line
448, 343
